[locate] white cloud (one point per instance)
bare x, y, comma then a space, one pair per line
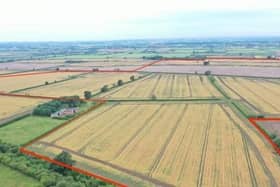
92, 17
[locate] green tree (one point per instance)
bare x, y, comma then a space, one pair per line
207, 72
64, 157
87, 94
120, 82
104, 88
206, 63
132, 78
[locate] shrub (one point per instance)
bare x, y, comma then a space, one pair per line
65, 158
206, 63
273, 136
120, 82
132, 78
207, 72
87, 94
154, 97
277, 141
104, 88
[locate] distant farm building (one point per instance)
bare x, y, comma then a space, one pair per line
64, 112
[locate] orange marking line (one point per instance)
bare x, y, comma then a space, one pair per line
263, 133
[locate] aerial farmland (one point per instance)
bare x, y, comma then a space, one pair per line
125, 117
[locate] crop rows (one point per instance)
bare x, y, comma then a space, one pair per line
167, 86
91, 82
14, 83
181, 144
263, 95
15, 106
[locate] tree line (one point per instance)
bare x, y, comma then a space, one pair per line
46, 109
48, 174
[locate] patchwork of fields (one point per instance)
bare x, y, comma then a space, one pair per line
167, 86
179, 144
163, 129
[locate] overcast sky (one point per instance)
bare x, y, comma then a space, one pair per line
72, 20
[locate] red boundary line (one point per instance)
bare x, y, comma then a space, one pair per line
253, 121
84, 172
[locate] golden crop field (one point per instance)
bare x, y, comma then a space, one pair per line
167, 86
14, 83
13, 105
263, 94
174, 143
90, 82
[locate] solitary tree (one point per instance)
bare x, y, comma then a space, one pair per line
87, 94
64, 157
154, 97
207, 72
132, 78
120, 82
104, 88
206, 63
46, 83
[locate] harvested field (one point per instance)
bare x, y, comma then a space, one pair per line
17, 66
91, 82
213, 59
106, 63
260, 64
104, 68
253, 71
14, 83
168, 144
262, 94
12, 106
167, 86
222, 62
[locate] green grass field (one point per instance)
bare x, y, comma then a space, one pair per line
12, 178
26, 129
